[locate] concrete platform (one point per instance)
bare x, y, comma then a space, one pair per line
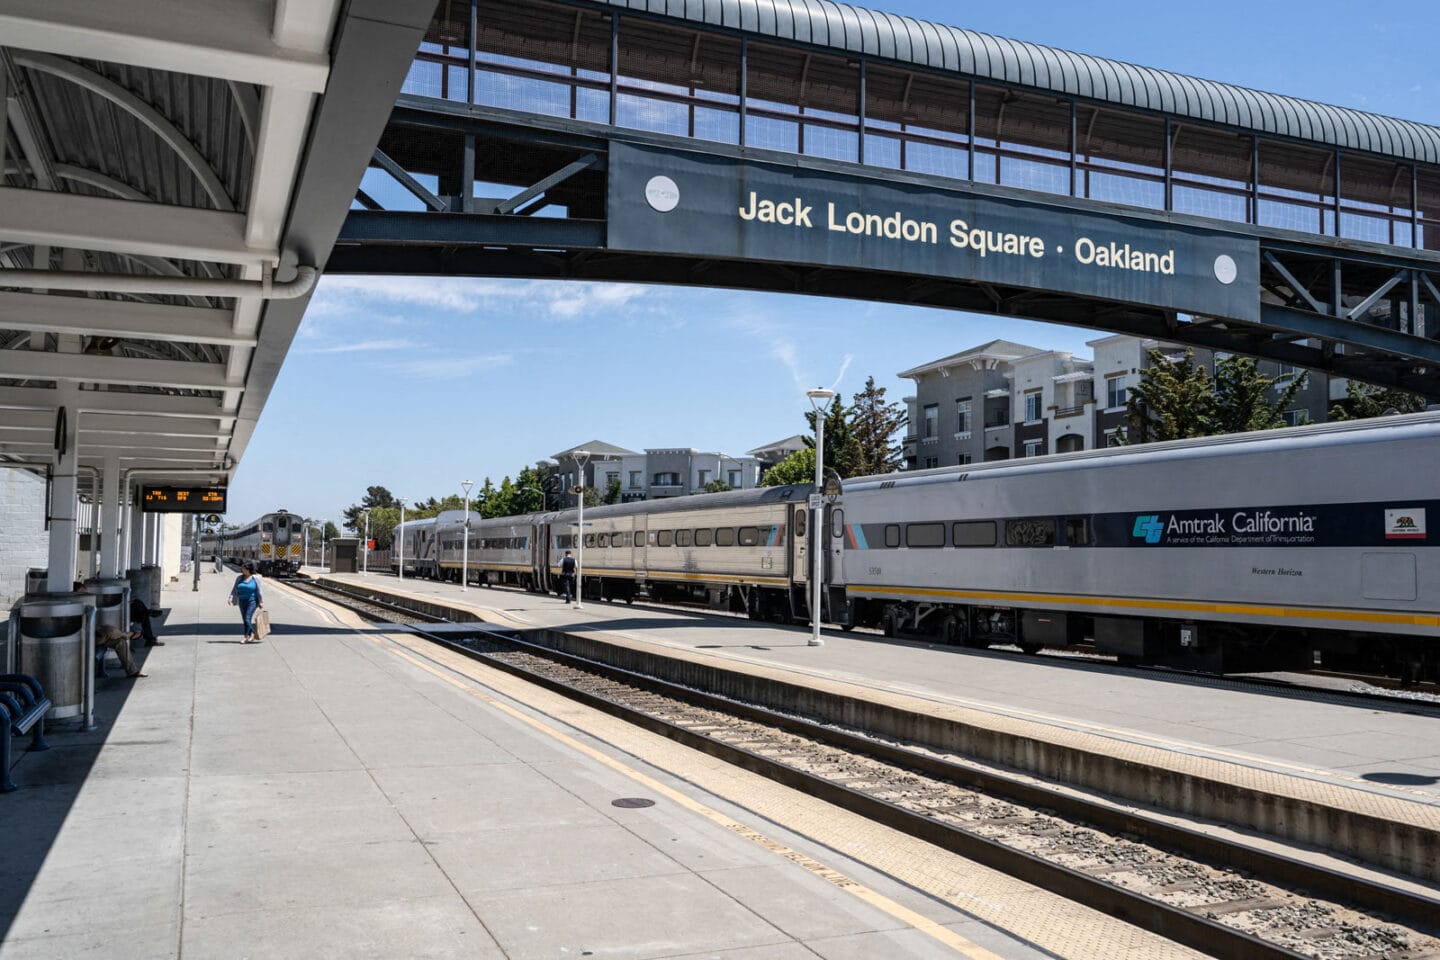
336, 791
1387, 752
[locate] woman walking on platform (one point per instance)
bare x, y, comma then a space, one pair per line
246, 594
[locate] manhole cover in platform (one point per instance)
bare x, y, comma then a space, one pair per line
632, 802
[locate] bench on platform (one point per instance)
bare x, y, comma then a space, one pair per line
23, 706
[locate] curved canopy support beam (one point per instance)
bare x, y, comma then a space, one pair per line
157, 123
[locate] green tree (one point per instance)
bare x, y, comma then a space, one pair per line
503, 503
374, 497
1172, 401
842, 449
717, 486
1242, 397
529, 491
486, 494
874, 423
1363, 401
799, 467
383, 521
612, 492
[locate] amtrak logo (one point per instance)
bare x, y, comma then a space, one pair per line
1150, 527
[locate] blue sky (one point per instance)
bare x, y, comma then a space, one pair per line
417, 384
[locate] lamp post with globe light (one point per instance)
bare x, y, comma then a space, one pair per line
818, 399
580, 457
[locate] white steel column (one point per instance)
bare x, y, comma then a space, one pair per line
64, 501
137, 531
110, 518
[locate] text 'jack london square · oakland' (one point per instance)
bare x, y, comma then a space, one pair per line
689, 203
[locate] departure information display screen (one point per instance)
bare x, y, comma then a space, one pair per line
182, 499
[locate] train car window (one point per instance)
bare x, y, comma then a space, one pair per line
589, 539
837, 523
664, 538
748, 536
268, 527
925, 535
619, 539
682, 538
1077, 531
801, 519
892, 535
704, 537
1033, 532
973, 533
724, 536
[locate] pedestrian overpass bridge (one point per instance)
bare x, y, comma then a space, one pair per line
174, 175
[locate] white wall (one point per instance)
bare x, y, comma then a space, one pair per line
24, 542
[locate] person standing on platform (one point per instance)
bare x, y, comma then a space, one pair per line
567, 577
247, 596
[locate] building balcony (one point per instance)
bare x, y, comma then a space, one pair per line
962, 435
1069, 411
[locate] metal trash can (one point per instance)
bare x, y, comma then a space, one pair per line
140, 584
56, 640
112, 603
152, 599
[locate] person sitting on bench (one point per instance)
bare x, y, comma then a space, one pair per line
119, 641
140, 616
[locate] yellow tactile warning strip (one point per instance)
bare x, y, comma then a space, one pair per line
1324, 788
1038, 917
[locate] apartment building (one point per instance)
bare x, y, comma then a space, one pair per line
1003, 399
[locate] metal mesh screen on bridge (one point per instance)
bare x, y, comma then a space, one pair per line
554, 59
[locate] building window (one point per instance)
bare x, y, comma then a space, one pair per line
1032, 448
966, 458
704, 479
1114, 392
1032, 406
932, 420
733, 479
931, 463
634, 479
962, 415
1296, 418
666, 480
1115, 437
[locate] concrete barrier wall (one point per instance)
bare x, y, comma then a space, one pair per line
24, 541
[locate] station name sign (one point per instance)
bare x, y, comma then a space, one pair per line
662, 201
182, 499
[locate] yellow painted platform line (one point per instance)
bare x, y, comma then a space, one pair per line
936, 931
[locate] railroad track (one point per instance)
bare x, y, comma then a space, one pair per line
1421, 699
1224, 898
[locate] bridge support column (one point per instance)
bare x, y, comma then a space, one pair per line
110, 518
64, 498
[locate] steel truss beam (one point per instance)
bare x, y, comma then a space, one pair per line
33, 365
116, 402
214, 38
126, 226
118, 318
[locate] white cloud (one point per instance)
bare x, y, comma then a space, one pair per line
366, 346
451, 368
562, 300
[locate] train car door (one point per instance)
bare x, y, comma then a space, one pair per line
637, 551
799, 543
540, 555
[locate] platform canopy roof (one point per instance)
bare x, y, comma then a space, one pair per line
172, 175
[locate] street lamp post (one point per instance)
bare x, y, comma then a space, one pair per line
401, 530
323, 525
365, 561
818, 399
581, 456
306, 538
465, 550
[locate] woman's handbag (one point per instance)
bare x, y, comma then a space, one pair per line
262, 624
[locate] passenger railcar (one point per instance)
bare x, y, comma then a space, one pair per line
1278, 548
272, 542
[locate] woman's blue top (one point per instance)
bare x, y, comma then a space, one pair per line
247, 590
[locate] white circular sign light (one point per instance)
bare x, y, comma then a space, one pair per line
1225, 269
662, 194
